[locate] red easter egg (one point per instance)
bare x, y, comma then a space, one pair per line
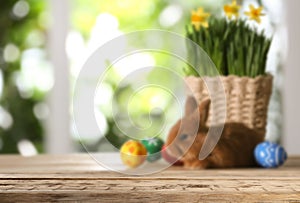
169, 158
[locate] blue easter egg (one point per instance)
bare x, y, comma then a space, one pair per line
270, 155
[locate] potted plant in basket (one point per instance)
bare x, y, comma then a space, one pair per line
239, 53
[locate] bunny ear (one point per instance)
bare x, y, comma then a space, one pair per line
204, 111
190, 105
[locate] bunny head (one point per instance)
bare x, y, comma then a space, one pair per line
187, 135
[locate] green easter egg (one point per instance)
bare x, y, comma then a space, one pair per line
153, 157
153, 145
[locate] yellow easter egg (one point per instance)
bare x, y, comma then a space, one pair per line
133, 153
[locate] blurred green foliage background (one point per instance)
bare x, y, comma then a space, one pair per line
26, 73
22, 29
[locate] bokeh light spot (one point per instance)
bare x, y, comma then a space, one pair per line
21, 9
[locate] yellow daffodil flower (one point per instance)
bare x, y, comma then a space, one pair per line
199, 18
232, 10
255, 13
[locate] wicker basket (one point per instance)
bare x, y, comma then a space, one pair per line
247, 98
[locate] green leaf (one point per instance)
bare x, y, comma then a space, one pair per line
233, 46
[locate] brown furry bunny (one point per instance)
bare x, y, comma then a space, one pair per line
234, 148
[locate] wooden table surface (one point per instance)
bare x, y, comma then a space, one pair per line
79, 178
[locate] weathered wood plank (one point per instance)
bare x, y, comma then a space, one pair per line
229, 190
147, 197
80, 178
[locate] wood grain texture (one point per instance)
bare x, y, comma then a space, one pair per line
47, 178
